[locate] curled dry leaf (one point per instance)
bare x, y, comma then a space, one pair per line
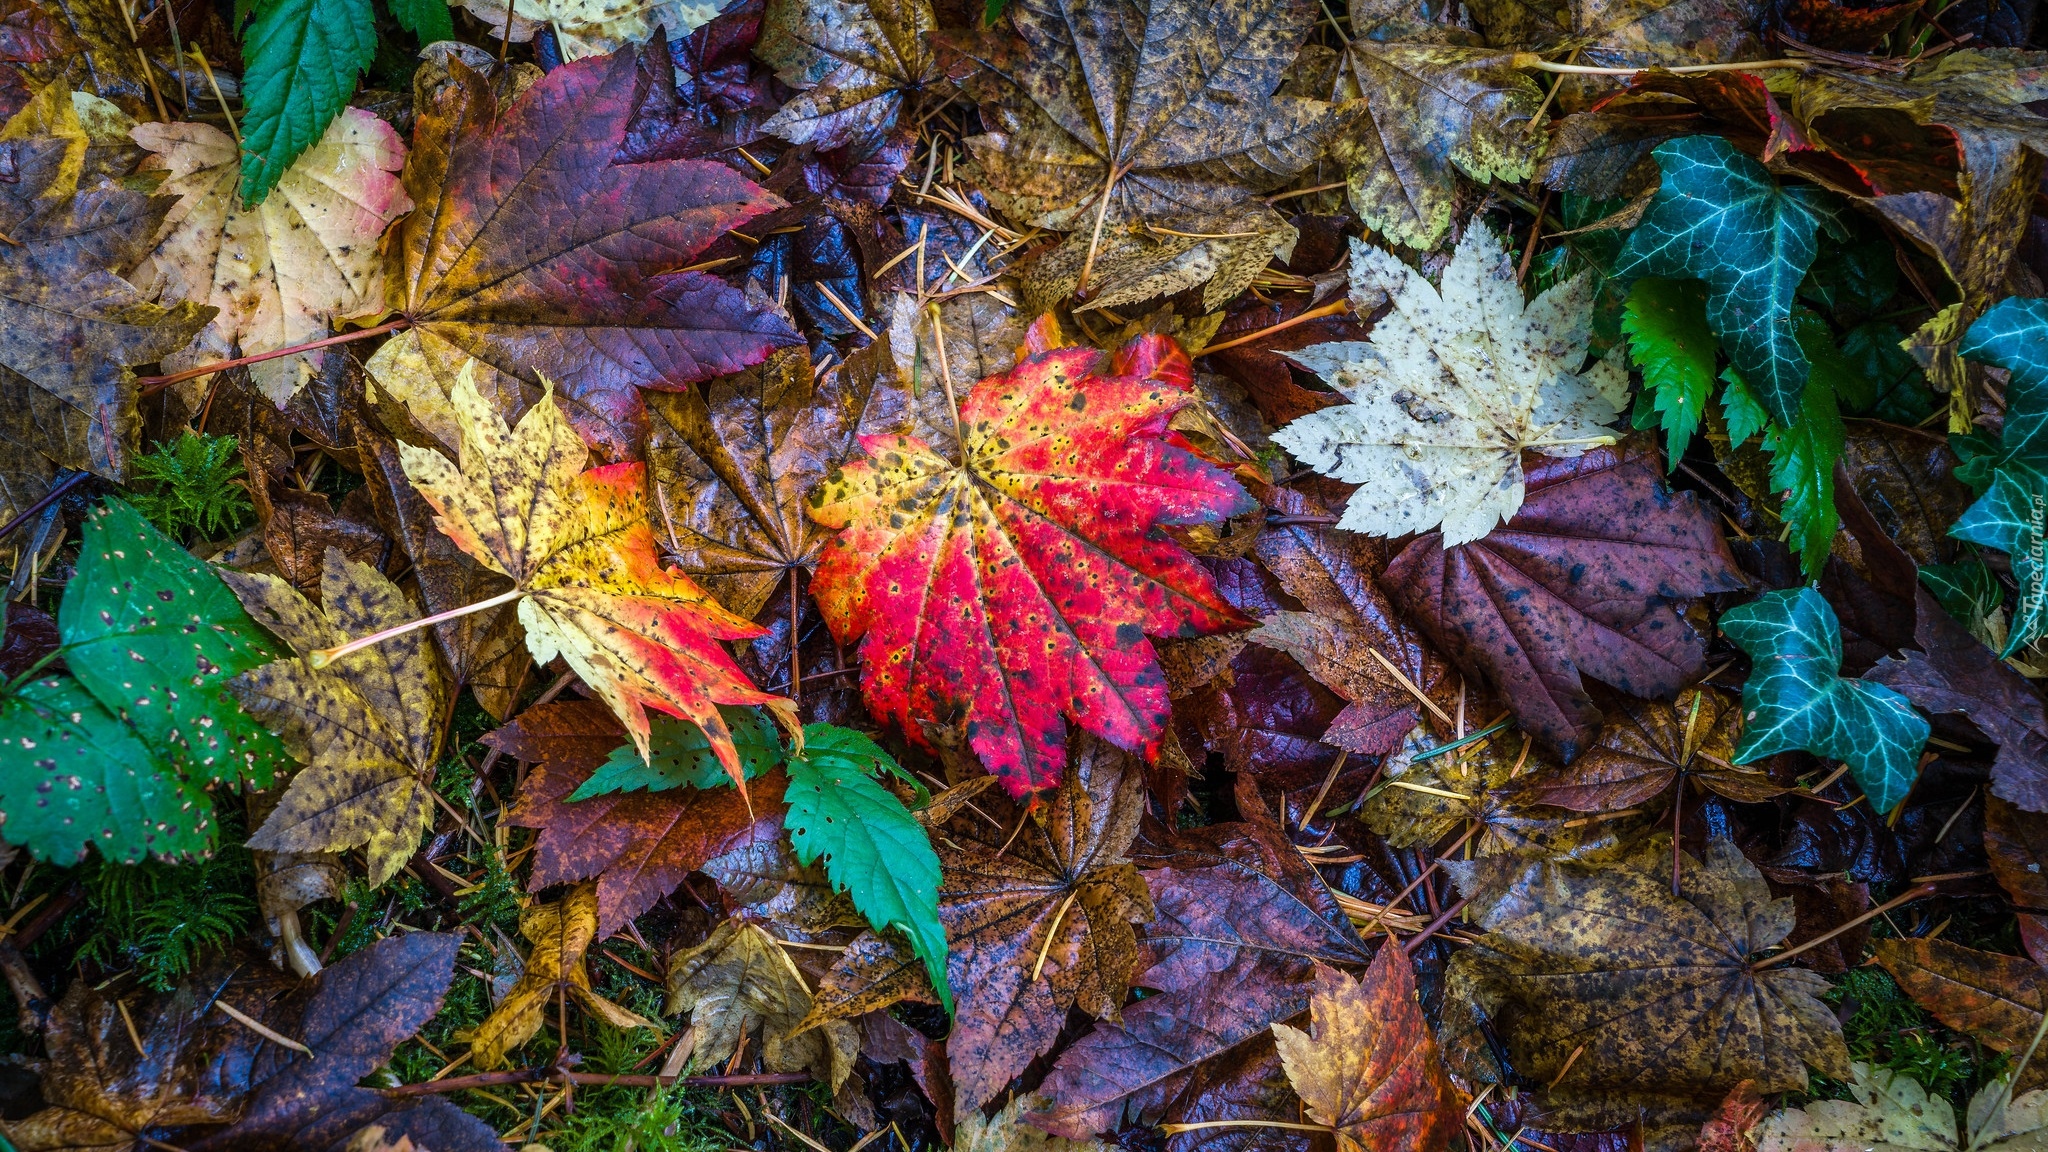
579, 549
1451, 389
739, 985
280, 273
1995, 998
561, 932
1044, 534
367, 728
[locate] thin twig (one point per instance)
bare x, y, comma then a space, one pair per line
262, 1029
1334, 308
55, 493
597, 1079
154, 384
1909, 895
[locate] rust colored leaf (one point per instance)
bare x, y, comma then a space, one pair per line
1645, 747
1997, 999
1369, 1067
1585, 579
637, 845
2017, 843
1043, 926
531, 251
994, 596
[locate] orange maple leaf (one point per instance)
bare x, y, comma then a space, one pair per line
580, 551
1002, 592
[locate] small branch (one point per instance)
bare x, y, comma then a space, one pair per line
1334, 308
154, 384
1531, 60
322, 657
1095, 237
1177, 1129
262, 1029
1421, 879
55, 493
1409, 945
591, 1079
1909, 895
946, 375
852, 319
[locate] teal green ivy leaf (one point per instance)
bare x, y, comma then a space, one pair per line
1668, 339
155, 636
874, 849
1796, 698
2008, 517
301, 62
680, 756
1966, 590
1719, 217
1897, 384
426, 19
72, 774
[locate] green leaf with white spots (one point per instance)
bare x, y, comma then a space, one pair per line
1670, 343
679, 756
155, 636
72, 774
874, 849
1718, 216
1796, 698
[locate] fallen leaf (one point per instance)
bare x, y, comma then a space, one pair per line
637, 846
1007, 1132
1628, 33
1647, 746
1891, 1112
1133, 263
1739, 1114
1558, 592
368, 728
580, 551
740, 985
1044, 926
283, 272
530, 251
1795, 697
1993, 997
1045, 530
1650, 996
561, 933
585, 28
1108, 125
1369, 1065
1450, 390
855, 64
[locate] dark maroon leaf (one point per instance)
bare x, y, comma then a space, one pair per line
1842, 27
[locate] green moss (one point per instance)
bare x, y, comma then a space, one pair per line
1886, 1029
163, 919
193, 484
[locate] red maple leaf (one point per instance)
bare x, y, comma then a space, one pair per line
998, 594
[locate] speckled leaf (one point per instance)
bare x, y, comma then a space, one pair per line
1795, 697
1064, 890
1369, 1066
856, 62
1581, 582
1648, 745
1083, 97
72, 774
1654, 991
997, 595
585, 28
1993, 997
1452, 387
1628, 33
579, 547
680, 757
874, 849
155, 636
1719, 216
531, 251
367, 728
638, 846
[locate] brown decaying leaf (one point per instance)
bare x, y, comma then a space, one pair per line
1556, 592
1645, 747
1650, 997
637, 845
1369, 1066
741, 984
1044, 926
561, 932
1996, 998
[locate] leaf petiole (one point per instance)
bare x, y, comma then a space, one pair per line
154, 384
322, 657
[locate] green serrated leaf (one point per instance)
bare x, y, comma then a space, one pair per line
302, 59
1796, 698
155, 636
1669, 341
1739, 407
1803, 469
1718, 216
72, 774
426, 19
680, 756
874, 849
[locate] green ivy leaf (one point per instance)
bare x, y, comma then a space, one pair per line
1719, 217
873, 848
155, 636
301, 62
1966, 590
2013, 335
2003, 518
1796, 698
1668, 338
681, 756
426, 19
72, 774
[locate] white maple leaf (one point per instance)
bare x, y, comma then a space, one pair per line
1450, 389
1893, 1113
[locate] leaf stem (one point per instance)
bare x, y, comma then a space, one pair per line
56, 491
1095, 237
946, 376
1335, 308
1531, 60
1600, 441
1904, 897
1177, 1129
322, 657
153, 384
